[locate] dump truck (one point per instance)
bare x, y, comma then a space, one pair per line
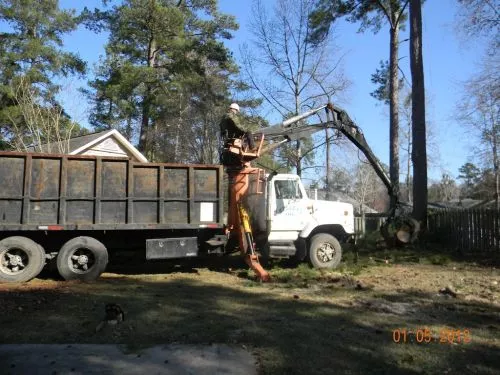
75, 210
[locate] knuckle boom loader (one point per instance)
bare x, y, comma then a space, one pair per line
73, 211
321, 242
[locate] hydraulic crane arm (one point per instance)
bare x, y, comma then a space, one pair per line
399, 228
290, 130
236, 158
343, 123
337, 119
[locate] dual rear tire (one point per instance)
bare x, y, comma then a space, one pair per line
81, 258
21, 259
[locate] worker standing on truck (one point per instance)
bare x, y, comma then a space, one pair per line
230, 126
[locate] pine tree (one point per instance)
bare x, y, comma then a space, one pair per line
372, 15
159, 57
31, 58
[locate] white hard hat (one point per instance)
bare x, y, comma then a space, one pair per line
235, 106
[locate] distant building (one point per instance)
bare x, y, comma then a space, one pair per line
106, 143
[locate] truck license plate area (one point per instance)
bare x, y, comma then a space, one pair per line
166, 248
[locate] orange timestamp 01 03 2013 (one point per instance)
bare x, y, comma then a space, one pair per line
426, 335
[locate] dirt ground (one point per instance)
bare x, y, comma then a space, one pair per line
376, 314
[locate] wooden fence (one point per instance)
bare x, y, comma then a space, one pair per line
368, 223
467, 230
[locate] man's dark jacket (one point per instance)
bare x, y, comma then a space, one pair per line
230, 126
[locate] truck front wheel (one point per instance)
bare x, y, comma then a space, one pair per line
324, 251
21, 259
82, 258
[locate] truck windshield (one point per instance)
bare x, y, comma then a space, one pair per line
287, 189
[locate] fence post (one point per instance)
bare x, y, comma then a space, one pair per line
363, 221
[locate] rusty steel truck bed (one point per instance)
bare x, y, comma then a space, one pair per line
51, 199
85, 192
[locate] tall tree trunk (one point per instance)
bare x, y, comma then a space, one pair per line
408, 169
110, 112
496, 168
145, 144
128, 129
394, 111
298, 147
328, 169
419, 151
178, 131
144, 136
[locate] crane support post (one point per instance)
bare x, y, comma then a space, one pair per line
251, 257
238, 220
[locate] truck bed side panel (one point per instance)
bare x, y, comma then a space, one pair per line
85, 192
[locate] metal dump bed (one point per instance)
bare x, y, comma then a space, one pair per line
65, 192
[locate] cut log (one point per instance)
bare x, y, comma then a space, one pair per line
400, 231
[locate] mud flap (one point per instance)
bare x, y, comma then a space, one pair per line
300, 245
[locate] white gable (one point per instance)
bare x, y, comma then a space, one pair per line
111, 144
108, 147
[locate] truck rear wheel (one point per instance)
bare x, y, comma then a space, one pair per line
324, 251
21, 259
82, 258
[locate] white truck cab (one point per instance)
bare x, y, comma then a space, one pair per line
287, 223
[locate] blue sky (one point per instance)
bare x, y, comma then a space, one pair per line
448, 61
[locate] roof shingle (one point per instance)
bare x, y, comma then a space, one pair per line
74, 143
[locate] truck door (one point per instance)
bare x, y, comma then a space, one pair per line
289, 206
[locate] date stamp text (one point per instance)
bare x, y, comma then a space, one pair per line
425, 335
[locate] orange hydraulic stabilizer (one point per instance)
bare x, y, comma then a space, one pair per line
238, 219
251, 257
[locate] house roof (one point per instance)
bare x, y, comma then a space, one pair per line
74, 143
79, 144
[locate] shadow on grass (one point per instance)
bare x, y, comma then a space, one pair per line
233, 264
140, 266
288, 335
